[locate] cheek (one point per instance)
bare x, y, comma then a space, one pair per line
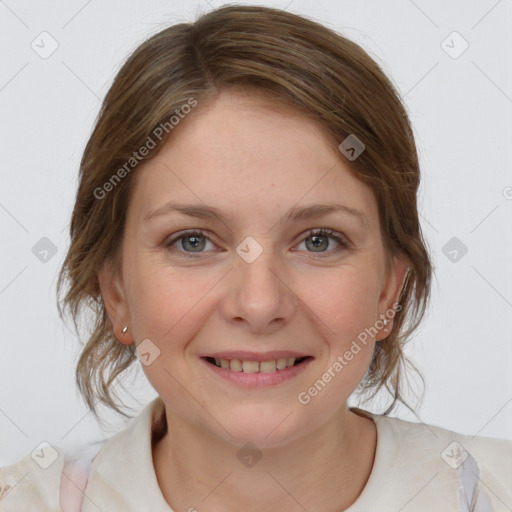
168, 307
344, 303
344, 300
165, 303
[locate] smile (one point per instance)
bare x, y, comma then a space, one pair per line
251, 366
256, 370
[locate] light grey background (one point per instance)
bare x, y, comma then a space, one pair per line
461, 110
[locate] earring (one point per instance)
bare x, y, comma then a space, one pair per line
125, 328
385, 322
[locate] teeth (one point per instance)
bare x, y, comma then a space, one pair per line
268, 366
250, 366
236, 365
254, 366
281, 363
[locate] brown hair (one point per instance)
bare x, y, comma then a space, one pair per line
288, 57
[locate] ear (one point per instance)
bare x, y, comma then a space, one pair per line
397, 274
114, 299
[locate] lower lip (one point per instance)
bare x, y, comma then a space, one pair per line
258, 379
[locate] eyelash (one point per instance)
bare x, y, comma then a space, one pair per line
338, 237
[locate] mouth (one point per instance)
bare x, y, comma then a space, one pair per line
253, 366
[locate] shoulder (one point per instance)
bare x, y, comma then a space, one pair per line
49, 479
479, 469
453, 447
33, 480
54, 480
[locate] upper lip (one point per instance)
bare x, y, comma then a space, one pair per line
243, 355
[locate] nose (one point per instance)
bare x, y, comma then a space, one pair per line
258, 297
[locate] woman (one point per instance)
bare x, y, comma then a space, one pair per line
246, 226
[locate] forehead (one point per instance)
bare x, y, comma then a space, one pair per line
245, 154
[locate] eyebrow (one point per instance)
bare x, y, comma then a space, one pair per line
293, 215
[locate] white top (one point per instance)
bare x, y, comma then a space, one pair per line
417, 468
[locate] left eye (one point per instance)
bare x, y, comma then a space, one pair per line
319, 240
316, 241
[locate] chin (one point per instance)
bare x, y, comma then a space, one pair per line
263, 425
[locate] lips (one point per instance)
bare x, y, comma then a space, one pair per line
250, 362
251, 366
256, 371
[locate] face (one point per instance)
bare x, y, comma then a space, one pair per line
248, 292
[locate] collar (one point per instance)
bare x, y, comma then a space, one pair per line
122, 474
408, 469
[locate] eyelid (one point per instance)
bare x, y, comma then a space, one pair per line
328, 232
340, 238
186, 232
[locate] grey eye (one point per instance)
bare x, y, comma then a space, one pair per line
319, 243
195, 242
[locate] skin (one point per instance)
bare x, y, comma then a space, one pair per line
254, 162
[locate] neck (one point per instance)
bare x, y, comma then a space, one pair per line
325, 470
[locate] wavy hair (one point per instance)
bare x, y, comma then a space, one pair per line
292, 59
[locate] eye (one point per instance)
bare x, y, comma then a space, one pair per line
319, 241
189, 242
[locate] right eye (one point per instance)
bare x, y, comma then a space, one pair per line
188, 242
